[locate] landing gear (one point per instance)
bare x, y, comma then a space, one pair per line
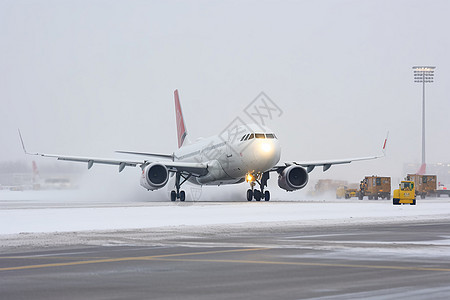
258, 194
249, 195
266, 195
174, 195
182, 196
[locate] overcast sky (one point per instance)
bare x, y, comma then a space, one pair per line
90, 77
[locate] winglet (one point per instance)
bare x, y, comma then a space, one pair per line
23, 145
385, 143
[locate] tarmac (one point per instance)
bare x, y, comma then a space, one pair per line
398, 260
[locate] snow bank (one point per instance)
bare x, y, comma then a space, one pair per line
152, 215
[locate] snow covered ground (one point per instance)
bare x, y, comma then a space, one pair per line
42, 213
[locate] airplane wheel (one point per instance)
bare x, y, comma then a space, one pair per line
182, 196
173, 196
249, 195
266, 195
257, 195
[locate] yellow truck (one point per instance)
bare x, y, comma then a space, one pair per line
346, 192
375, 187
406, 194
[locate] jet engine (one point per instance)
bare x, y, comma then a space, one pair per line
154, 176
293, 178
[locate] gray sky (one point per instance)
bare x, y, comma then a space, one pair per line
90, 77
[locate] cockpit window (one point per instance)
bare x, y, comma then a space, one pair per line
242, 138
270, 135
251, 136
246, 136
260, 135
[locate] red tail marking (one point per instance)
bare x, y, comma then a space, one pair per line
35, 168
35, 172
181, 128
422, 170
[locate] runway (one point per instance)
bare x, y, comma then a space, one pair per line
408, 260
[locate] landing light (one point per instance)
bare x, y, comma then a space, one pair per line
266, 147
249, 178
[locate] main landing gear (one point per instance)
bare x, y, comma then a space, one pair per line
177, 194
256, 194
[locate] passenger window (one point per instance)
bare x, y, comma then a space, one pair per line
251, 136
269, 135
259, 135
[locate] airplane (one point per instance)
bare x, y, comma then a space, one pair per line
247, 152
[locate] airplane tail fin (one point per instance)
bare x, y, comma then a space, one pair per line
35, 172
422, 170
181, 127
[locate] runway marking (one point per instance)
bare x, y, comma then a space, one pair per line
48, 257
61, 255
306, 264
167, 257
106, 260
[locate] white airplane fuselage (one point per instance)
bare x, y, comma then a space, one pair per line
230, 160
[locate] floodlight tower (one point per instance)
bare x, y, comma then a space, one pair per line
423, 74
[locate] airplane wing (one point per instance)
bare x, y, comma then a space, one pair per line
194, 169
167, 156
326, 164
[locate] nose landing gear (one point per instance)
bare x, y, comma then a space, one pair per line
256, 194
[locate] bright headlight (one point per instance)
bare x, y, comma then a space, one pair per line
249, 178
266, 147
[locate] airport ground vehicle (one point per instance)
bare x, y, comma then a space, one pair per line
425, 185
346, 192
375, 187
340, 192
405, 194
329, 186
442, 190
349, 193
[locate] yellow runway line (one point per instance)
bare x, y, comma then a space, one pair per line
107, 260
307, 264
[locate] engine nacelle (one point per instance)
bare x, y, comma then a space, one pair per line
154, 176
293, 178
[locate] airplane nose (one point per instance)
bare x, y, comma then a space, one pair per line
267, 152
266, 147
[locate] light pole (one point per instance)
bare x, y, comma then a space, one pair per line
423, 74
